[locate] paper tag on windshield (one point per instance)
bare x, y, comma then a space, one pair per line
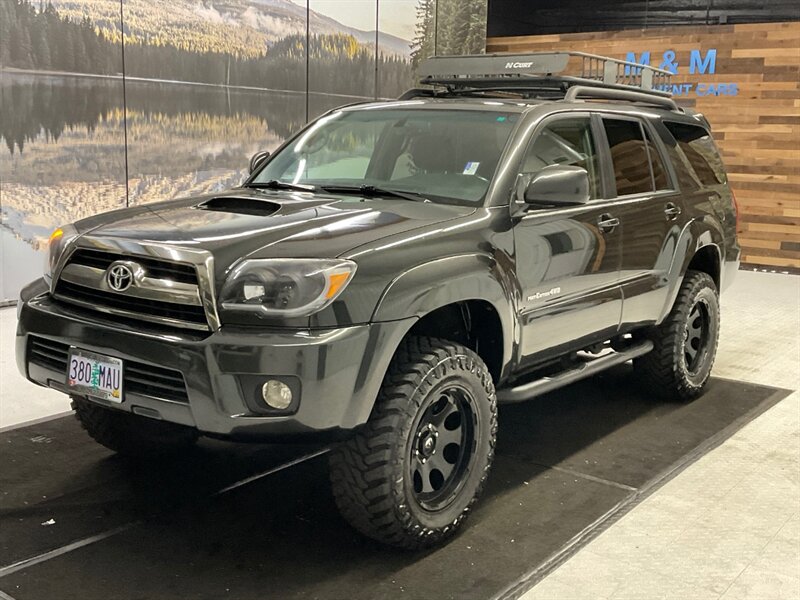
471, 168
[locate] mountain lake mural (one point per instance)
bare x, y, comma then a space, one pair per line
105, 104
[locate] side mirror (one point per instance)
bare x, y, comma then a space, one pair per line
558, 185
258, 160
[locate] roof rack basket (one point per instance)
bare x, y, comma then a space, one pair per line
542, 71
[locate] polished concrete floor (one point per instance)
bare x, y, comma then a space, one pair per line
725, 527
729, 526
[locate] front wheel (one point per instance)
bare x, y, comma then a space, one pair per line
680, 364
132, 435
409, 477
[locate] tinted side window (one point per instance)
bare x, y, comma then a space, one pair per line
699, 151
565, 142
659, 172
628, 156
686, 178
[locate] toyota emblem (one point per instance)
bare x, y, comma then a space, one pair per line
119, 277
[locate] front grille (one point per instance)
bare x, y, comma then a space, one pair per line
155, 267
149, 380
168, 293
97, 298
138, 378
48, 354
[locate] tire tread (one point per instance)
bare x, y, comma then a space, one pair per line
132, 435
361, 468
659, 369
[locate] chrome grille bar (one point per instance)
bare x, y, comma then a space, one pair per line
161, 269
163, 313
173, 286
150, 288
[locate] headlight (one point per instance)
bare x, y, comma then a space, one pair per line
59, 240
288, 287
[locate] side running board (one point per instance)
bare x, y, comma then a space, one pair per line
587, 369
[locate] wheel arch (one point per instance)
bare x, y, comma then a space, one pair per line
466, 298
699, 247
707, 259
471, 323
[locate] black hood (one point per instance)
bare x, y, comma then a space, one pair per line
256, 223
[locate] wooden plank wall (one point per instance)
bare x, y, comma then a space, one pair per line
758, 130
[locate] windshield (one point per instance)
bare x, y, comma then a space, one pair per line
444, 156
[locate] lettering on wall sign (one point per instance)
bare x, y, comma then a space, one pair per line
700, 63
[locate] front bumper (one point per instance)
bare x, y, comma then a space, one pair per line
337, 372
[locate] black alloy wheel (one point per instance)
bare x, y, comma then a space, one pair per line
695, 345
685, 343
441, 448
410, 475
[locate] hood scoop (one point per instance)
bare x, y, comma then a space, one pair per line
241, 205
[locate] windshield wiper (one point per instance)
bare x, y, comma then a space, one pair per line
371, 190
274, 184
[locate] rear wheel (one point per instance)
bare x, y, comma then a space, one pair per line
132, 435
409, 477
680, 364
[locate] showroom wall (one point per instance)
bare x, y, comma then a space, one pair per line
536, 17
738, 64
93, 120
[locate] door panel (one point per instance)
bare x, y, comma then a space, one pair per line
568, 270
567, 265
651, 215
649, 240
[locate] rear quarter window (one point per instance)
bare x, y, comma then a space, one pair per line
698, 152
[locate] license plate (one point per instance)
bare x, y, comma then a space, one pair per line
95, 374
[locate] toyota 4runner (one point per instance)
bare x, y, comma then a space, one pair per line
395, 270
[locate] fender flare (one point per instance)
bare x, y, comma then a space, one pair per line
697, 234
437, 283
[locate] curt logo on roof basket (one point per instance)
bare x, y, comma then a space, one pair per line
518, 65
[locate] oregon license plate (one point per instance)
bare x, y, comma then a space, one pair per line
95, 374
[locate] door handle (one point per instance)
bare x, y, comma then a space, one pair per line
672, 211
607, 223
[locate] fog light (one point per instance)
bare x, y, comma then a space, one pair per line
276, 394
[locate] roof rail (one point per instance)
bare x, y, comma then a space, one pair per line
541, 71
581, 92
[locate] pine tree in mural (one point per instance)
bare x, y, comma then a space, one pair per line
448, 27
41, 39
461, 26
424, 32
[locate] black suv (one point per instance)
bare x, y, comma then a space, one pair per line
395, 270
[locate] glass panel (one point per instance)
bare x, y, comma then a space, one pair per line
400, 149
565, 142
699, 151
628, 156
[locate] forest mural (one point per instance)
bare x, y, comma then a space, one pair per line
108, 103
